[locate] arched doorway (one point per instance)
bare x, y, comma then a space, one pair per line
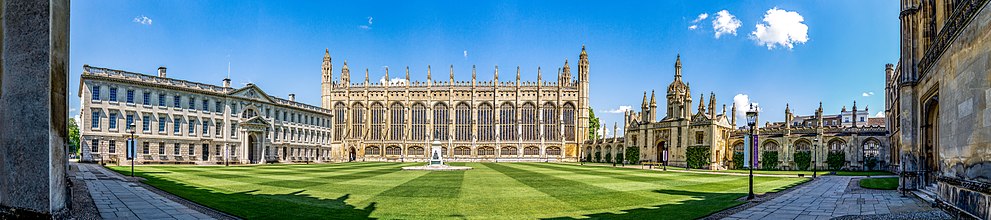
352, 154
252, 147
660, 151
930, 145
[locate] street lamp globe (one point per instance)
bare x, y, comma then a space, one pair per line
752, 116
130, 128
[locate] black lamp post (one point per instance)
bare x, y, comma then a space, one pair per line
131, 146
751, 123
815, 145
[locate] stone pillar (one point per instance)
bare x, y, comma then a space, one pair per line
34, 109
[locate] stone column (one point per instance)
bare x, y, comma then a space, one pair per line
34, 109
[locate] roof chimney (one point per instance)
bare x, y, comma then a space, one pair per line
161, 71
227, 82
292, 97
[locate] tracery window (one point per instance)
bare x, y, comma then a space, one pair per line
507, 122
373, 150
440, 122
531, 151
393, 151
398, 119
553, 151
770, 146
871, 148
486, 151
463, 122
738, 147
415, 151
803, 146
418, 116
835, 146
462, 151
486, 123
568, 114
552, 131
357, 120
508, 151
378, 121
340, 121
529, 118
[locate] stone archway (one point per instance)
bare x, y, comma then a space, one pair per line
252, 147
930, 144
352, 154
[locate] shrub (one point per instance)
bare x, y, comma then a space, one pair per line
803, 160
835, 160
619, 157
598, 156
608, 157
870, 162
738, 160
633, 155
588, 157
698, 157
769, 160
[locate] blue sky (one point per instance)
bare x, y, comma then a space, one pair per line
839, 57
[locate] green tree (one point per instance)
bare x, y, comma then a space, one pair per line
598, 156
619, 157
633, 155
608, 157
769, 160
698, 157
835, 160
73, 136
593, 125
803, 160
738, 160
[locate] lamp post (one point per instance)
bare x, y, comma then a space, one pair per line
131, 146
751, 123
815, 145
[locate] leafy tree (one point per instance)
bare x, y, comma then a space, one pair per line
633, 155
608, 157
619, 157
593, 125
769, 160
738, 160
698, 157
73, 136
598, 156
835, 160
803, 160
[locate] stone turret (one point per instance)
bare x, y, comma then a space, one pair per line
345, 75
161, 71
712, 105
732, 119
644, 107
701, 106
583, 104
430, 79
653, 108
327, 81
473, 80
854, 119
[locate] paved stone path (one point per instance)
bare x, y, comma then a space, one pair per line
832, 196
117, 198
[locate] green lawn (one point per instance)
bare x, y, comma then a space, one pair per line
808, 172
489, 191
886, 183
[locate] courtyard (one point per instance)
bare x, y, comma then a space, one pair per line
489, 190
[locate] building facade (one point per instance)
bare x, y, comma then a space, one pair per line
474, 120
937, 103
181, 122
860, 138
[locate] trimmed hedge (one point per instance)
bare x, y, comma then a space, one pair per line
633, 155
738, 160
769, 160
835, 160
698, 157
803, 160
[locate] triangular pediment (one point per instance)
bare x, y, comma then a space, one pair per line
252, 92
257, 120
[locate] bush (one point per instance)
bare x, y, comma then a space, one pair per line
619, 157
588, 157
835, 160
608, 157
698, 157
803, 160
738, 160
598, 156
870, 162
769, 160
633, 155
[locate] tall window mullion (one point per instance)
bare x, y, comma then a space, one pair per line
440, 122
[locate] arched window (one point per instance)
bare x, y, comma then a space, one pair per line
770, 146
553, 151
836, 146
508, 151
440, 122
531, 151
373, 150
393, 151
340, 120
507, 122
398, 116
418, 116
803, 146
248, 113
378, 121
415, 151
357, 121
486, 125
486, 151
462, 151
529, 118
552, 131
738, 147
568, 113
463, 120
872, 148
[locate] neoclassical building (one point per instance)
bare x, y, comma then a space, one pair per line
852, 132
182, 122
938, 103
474, 120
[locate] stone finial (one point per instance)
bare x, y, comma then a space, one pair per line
452, 73
429, 75
517, 75
161, 71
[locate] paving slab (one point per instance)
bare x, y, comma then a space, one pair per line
117, 198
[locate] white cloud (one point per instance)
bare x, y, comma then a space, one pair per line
725, 23
76, 117
620, 109
781, 28
466, 54
368, 26
393, 81
142, 20
867, 94
880, 114
701, 17
693, 27
742, 102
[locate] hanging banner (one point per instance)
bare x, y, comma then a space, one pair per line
754, 153
746, 151
130, 149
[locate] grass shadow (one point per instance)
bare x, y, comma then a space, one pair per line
699, 204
